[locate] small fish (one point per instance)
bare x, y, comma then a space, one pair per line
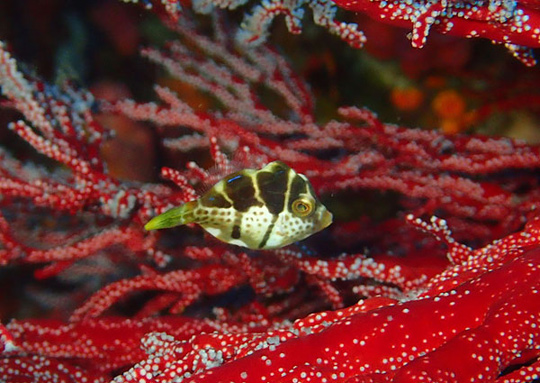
259, 209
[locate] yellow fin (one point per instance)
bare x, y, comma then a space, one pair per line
176, 216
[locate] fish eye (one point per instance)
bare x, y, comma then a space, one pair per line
302, 207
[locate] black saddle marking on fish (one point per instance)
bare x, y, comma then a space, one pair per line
268, 232
273, 187
235, 234
213, 198
240, 190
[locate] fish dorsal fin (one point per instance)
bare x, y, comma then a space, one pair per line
216, 174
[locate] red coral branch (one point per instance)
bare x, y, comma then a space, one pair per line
516, 24
490, 317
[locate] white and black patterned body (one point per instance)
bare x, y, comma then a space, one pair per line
259, 209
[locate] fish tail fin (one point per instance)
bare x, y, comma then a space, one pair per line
176, 216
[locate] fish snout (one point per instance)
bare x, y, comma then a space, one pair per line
326, 219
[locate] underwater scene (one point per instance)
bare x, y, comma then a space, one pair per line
272, 191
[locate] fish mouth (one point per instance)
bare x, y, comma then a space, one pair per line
326, 219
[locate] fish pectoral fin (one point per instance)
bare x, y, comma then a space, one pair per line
173, 217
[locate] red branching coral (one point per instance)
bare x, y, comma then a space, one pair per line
483, 325
426, 299
516, 24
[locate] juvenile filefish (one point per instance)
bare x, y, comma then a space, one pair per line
259, 209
